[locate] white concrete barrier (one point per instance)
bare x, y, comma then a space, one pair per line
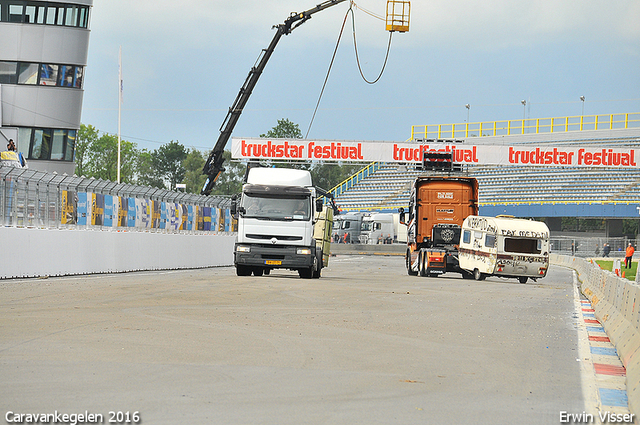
616, 302
36, 252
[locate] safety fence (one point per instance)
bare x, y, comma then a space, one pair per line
526, 126
616, 302
35, 199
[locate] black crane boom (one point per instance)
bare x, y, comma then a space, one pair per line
214, 165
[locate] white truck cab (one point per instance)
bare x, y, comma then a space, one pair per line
377, 228
276, 217
504, 246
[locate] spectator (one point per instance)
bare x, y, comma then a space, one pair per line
628, 256
606, 249
11, 146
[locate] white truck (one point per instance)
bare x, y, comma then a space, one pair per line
377, 228
279, 211
504, 246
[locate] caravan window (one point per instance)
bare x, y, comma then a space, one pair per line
523, 246
490, 241
466, 236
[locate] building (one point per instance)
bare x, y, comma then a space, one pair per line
43, 58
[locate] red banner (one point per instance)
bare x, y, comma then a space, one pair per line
354, 151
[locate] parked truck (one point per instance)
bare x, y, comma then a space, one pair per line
437, 208
347, 227
278, 213
377, 228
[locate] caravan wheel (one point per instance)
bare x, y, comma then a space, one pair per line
477, 275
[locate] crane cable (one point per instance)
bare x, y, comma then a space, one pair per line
335, 51
355, 46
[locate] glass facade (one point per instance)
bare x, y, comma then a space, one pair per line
48, 143
44, 13
43, 74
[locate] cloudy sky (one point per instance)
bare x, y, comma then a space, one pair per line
184, 63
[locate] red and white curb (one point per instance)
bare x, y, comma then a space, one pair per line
603, 374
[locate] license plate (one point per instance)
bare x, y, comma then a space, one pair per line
273, 262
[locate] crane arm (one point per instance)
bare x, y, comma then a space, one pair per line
213, 167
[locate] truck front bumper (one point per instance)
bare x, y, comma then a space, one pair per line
274, 256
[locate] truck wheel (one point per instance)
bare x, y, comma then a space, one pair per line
523, 279
316, 273
407, 261
243, 271
422, 267
477, 275
305, 273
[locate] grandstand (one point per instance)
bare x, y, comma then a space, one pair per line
386, 186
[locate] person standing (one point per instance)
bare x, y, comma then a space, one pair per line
628, 256
606, 249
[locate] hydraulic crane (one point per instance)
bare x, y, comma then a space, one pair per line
214, 165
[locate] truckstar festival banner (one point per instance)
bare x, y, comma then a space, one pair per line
530, 154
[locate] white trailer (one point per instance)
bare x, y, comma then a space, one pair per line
505, 247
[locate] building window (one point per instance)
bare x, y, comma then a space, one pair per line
8, 74
44, 13
28, 73
41, 74
70, 149
48, 75
48, 144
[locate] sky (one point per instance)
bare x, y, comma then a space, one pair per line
183, 64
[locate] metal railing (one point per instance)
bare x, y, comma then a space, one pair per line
355, 179
36, 199
526, 126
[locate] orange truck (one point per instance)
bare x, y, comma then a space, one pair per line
437, 209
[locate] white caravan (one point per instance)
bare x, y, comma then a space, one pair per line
505, 247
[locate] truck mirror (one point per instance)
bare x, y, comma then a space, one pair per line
402, 216
234, 206
319, 204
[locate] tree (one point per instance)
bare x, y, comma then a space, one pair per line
285, 129
328, 175
102, 159
193, 178
147, 171
168, 161
230, 181
86, 136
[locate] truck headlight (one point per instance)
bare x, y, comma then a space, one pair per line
243, 248
304, 251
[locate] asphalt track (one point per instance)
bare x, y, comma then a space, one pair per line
365, 344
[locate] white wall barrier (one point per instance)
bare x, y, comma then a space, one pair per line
51, 252
616, 302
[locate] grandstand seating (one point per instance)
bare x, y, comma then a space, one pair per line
389, 187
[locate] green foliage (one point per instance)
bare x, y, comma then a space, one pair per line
230, 181
285, 129
86, 136
327, 175
193, 178
147, 171
102, 158
167, 160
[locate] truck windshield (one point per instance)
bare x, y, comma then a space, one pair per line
366, 226
276, 208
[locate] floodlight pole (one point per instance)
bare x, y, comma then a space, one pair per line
119, 104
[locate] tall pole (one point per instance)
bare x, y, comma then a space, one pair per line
119, 104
